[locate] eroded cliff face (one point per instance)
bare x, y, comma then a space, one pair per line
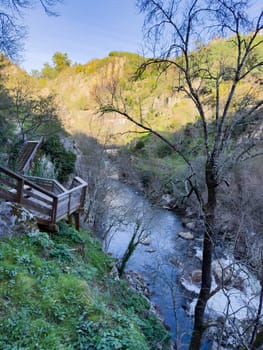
16, 220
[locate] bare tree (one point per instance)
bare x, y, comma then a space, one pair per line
178, 32
138, 236
91, 166
12, 31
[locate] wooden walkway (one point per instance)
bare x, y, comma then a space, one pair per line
27, 155
47, 199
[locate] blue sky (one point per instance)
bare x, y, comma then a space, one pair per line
85, 29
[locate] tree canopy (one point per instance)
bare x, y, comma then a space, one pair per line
60, 61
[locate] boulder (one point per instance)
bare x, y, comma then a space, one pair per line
190, 225
16, 220
136, 282
168, 201
186, 235
145, 241
196, 276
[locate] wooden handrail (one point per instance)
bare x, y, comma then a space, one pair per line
33, 153
40, 181
26, 182
48, 207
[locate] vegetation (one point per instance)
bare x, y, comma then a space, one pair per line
27, 114
200, 105
56, 293
174, 28
63, 160
60, 63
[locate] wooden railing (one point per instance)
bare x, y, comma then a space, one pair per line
28, 154
47, 199
50, 185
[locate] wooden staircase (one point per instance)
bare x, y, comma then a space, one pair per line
27, 155
47, 199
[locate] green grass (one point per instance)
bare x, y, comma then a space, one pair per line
56, 293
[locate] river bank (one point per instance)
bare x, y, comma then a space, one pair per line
169, 260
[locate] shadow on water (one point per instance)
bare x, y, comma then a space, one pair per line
159, 259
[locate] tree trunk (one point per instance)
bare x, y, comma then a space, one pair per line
209, 218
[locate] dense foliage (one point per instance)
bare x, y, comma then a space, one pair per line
63, 160
56, 293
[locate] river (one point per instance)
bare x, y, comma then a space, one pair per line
164, 257
160, 256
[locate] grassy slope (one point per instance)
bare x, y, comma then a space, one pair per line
56, 293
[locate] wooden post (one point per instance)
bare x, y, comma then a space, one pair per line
54, 211
69, 203
77, 222
20, 188
70, 220
83, 196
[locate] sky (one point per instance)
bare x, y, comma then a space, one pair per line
84, 29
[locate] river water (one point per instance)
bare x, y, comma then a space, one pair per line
160, 256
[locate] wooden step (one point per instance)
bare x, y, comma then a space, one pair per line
27, 154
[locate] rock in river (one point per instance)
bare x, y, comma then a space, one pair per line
186, 235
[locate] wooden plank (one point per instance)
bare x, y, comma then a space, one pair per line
58, 187
8, 195
29, 193
42, 221
62, 207
43, 183
39, 207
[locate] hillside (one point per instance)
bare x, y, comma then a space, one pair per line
200, 155
79, 87
153, 96
57, 292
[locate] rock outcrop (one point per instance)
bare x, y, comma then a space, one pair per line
16, 220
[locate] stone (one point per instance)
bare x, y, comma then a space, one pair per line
168, 201
222, 272
190, 225
137, 283
150, 250
196, 276
16, 220
186, 235
145, 241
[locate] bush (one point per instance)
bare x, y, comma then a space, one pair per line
163, 150
64, 160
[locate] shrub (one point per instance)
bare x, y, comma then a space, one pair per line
64, 160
